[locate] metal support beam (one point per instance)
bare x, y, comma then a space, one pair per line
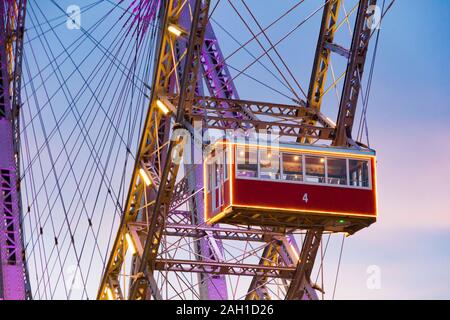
237, 269
269, 257
305, 265
322, 57
354, 73
333, 47
249, 234
285, 120
218, 78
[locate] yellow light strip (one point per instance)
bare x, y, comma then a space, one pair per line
205, 190
231, 174
162, 107
219, 216
231, 171
300, 150
374, 183
223, 214
130, 243
109, 294
337, 213
175, 30
145, 177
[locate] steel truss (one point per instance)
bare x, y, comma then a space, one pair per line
14, 282
353, 75
160, 217
285, 120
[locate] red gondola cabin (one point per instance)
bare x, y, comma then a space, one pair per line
290, 185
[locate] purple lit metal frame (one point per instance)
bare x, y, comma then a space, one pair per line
211, 288
13, 283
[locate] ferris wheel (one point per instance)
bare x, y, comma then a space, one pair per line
140, 160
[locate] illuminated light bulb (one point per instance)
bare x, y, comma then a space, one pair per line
130, 243
242, 153
175, 30
145, 177
162, 107
109, 294
296, 158
322, 160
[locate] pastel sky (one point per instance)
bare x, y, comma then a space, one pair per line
409, 126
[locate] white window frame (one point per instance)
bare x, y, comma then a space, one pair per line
326, 172
369, 172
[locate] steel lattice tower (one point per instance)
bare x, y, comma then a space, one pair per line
13, 274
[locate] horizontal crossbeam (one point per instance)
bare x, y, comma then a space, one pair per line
281, 119
217, 268
183, 230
